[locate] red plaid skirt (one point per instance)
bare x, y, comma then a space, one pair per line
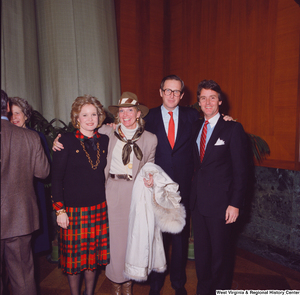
85, 244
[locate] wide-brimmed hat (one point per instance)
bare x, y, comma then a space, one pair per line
128, 99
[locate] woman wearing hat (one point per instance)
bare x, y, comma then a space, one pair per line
130, 148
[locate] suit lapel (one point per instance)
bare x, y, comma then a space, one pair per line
183, 124
135, 162
180, 129
198, 126
218, 128
161, 131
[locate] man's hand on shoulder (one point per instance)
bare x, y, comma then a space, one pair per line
227, 118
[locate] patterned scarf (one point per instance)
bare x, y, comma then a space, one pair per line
88, 141
127, 147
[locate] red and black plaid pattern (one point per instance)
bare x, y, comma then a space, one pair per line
58, 206
82, 137
85, 244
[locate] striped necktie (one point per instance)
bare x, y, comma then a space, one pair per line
203, 141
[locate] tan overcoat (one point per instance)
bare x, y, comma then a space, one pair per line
22, 159
118, 195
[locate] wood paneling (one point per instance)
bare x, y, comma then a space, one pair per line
141, 47
250, 47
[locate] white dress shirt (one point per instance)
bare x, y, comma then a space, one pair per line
166, 118
210, 128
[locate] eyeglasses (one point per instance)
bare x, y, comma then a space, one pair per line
168, 92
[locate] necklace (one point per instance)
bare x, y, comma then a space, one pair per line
94, 167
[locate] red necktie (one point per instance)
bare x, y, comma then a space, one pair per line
171, 130
203, 141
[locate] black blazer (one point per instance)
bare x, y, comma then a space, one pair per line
74, 182
176, 162
221, 179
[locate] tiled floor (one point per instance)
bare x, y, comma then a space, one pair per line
250, 272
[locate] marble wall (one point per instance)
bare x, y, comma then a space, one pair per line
270, 225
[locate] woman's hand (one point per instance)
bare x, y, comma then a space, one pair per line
57, 146
149, 182
63, 220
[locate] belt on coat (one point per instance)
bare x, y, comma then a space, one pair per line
121, 176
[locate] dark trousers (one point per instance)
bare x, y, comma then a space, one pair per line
212, 253
178, 261
17, 255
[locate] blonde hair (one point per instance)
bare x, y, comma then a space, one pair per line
79, 102
140, 120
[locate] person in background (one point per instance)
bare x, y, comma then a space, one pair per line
78, 190
22, 159
20, 111
130, 147
20, 115
218, 188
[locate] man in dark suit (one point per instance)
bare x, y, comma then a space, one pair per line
22, 158
219, 184
172, 124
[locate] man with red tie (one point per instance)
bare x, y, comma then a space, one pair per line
218, 188
172, 124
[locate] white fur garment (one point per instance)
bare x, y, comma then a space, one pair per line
152, 211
